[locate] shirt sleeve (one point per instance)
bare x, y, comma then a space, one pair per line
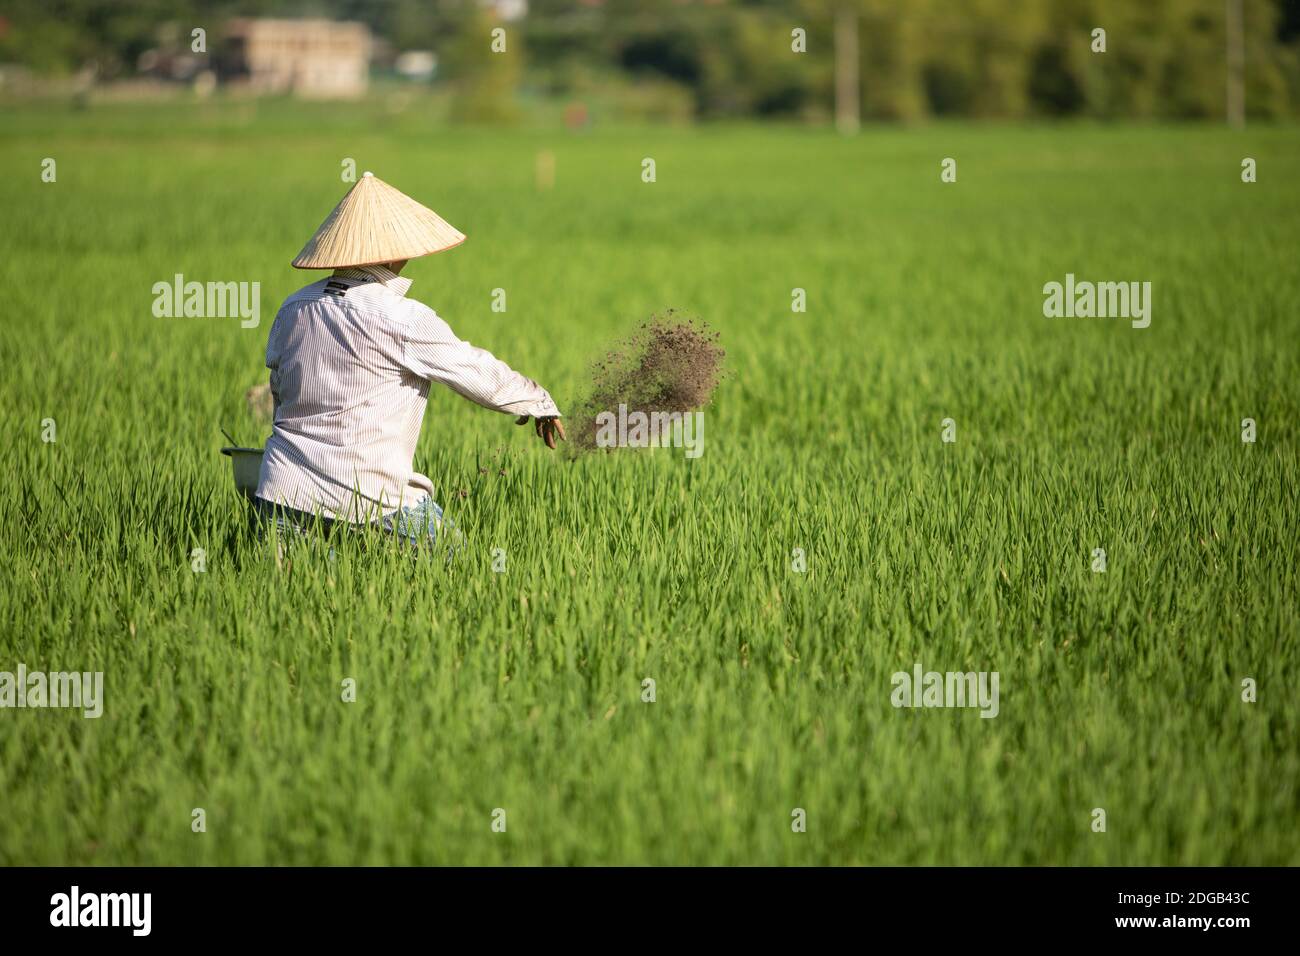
432, 351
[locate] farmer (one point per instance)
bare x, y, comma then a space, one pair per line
351, 359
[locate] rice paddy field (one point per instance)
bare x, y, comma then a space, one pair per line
500, 717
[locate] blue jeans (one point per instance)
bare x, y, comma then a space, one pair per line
418, 525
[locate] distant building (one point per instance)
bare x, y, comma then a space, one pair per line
314, 59
507, 10
418, 65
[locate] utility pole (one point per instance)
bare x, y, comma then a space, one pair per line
847, 77
1236, 55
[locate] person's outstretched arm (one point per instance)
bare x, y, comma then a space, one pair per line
432, 351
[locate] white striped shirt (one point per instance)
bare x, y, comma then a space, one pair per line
351, 359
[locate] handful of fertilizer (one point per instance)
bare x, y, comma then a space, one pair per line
648, 390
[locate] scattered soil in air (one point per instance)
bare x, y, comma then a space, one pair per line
669, 364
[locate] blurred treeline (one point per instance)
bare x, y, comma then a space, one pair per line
678, 59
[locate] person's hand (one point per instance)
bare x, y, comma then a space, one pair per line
548, 426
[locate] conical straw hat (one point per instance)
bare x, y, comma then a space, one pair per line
376, 223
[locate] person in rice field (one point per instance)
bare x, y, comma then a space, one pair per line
352, 358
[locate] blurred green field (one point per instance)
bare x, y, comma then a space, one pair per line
522, 690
